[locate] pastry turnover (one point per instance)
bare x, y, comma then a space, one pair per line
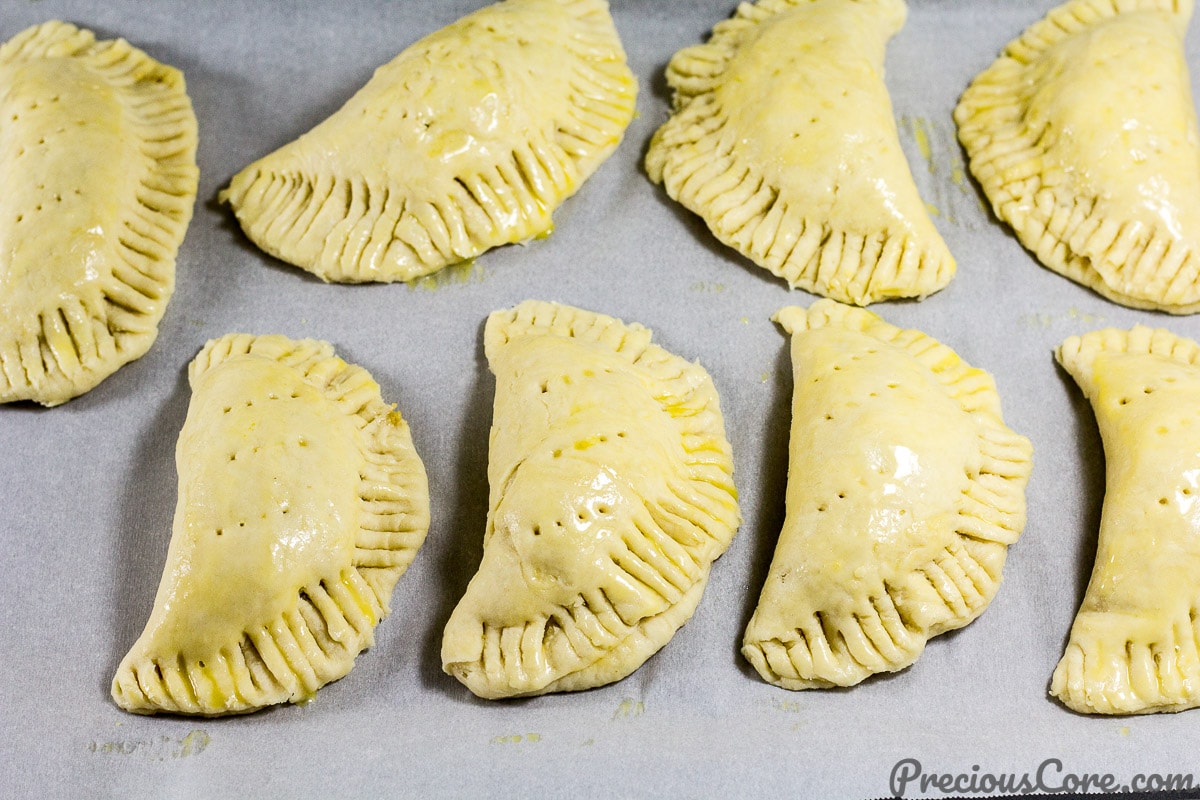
783, 141
611, 495
301, 502
98, 153
1084, 138
1134, 645
467, 140
904, 490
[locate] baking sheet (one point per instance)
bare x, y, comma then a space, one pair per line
87, 489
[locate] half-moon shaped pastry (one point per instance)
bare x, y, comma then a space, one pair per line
1083, 136
1134, 644
467, 140
301, 502
98, 153
611, 495
783, 141
905, 489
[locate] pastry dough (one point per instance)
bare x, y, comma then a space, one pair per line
1084, 138
611, 495
98, 153
783, 140
904, 490
1134, 645
301, 502
467, 140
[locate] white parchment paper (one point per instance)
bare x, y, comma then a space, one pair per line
87, 490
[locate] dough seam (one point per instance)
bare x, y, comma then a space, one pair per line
950, 594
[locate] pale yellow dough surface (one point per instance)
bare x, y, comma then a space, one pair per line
1083, 135
611, 493
784, 142
469, 139
301, 502
1135, 644
904, 490
98, 153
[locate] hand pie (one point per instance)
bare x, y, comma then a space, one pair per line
98, 153
611, 495
467, 140
301, 502
1133, 647
1084, 138
783, 140
904, 490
